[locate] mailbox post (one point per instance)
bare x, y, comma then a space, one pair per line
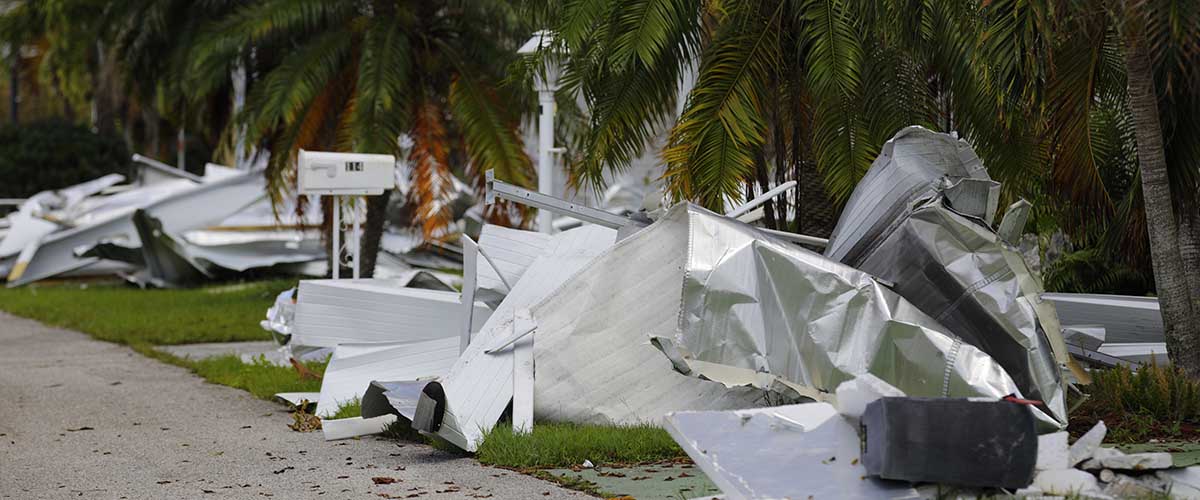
345, 176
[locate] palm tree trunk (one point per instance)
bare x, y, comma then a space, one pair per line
1179, 323
1189, 252
373, 231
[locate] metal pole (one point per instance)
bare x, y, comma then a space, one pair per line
762, 198
337, 237
357, 236
545, 153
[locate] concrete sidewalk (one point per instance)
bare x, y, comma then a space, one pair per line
90, 419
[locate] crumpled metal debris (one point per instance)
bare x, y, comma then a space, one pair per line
921, 220
751, 301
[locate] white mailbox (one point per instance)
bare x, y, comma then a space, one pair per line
328, 173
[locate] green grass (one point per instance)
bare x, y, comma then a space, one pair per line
565, 445
126, 315
349, 409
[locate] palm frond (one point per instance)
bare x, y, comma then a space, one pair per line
432, 184
381, 103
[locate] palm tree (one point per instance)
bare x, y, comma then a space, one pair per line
1066, 102
360, 75
151, 43
791, 89
1132, 64
1172, 215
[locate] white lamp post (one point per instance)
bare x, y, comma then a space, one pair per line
545, 83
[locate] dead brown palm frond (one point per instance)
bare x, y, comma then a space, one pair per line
432, 184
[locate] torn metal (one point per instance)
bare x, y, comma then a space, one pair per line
780, 452
748, 301
1126, 319
332, 312
921, 220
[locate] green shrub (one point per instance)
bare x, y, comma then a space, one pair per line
1153, 402
1162, 392
55, 154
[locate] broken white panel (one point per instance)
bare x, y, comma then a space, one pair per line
510, 250
178, 204
467, 298
151, 171
97, 209
1087, 444
522, 417
794, 451
1126, 319
1052, 451
214, 172
209, 203
345, 428
1137, 352
595, 362
36, 216
171, 261
480, 385
332, 312
354, 366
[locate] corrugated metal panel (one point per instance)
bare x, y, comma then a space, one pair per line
332, 312
595, 363
1126, 319
480, 385
909, 166
513, 251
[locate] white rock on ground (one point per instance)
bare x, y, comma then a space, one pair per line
1087, 444
1109, 458
1053, 453
1123, 486
854, 395
1067, 482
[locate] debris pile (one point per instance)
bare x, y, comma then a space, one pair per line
169, 228
741, 341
